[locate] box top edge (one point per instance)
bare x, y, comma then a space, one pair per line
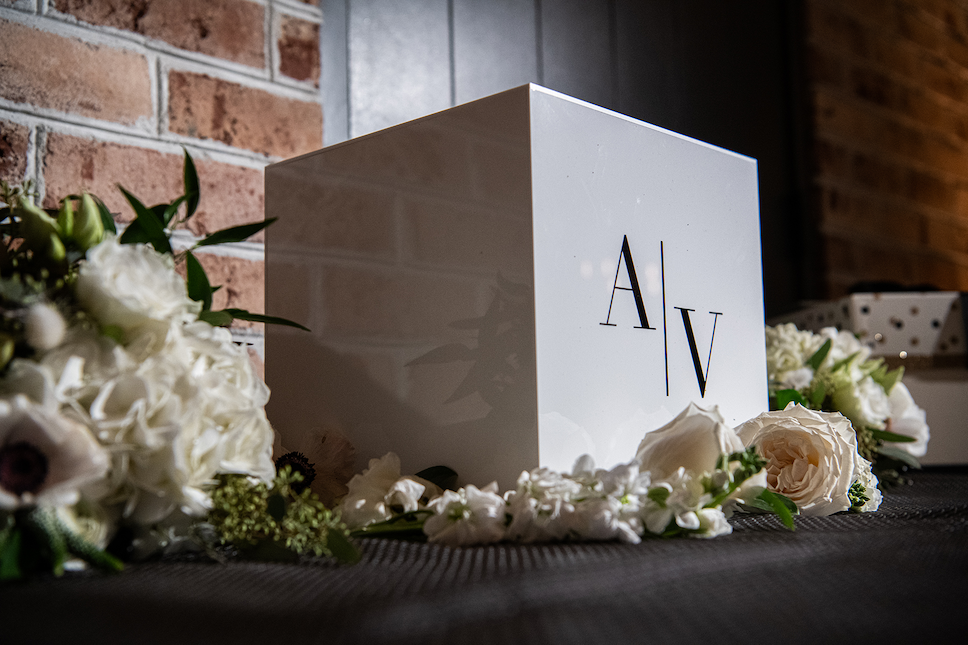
534, 87
426, 117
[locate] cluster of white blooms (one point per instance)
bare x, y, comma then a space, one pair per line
847, 379
172, 400
689, 488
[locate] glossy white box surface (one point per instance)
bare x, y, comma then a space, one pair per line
467, 280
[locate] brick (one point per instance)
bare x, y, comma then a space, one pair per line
299, 49
872, 86
915, 29
947, 234
870, 213
824, 67
876, 174
944, 81
953, 21
14, 139
928, 189
829, 26
230, 195
926, 110
242, 282
257, 363
228, 29
69, 75
830, 159
209, 108
943, 274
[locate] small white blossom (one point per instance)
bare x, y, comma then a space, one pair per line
468, 516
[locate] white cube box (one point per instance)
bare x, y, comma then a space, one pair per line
511, 283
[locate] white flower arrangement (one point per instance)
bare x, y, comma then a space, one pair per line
123, 402
833, 371
120, 401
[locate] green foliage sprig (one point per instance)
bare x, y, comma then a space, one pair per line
276, 523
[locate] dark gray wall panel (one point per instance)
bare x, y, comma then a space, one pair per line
576, 51
399, 62
495, 47
334, 78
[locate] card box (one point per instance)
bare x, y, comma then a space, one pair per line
510, 283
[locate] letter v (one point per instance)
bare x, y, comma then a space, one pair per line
701, 375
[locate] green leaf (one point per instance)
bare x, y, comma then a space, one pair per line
167, 211
242, 314
106, 218
785, 397
816, 360
216, 318
149, 223
199, 288
235, 234
779, 504
10, 556
443, 476
341, 548
893, 437
844, 361
192, 192
899, 455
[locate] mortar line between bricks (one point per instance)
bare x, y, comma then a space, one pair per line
66, 27
268, 48
170, 143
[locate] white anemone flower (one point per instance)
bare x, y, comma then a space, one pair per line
45, 458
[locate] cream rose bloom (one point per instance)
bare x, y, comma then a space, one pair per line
132, 286
694, 440
812, 456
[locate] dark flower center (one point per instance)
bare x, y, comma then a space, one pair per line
298, 463
23, 468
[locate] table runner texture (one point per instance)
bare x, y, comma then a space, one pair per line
900, 574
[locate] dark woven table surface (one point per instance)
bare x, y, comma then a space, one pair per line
898, 575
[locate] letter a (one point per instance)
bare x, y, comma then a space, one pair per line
636, 293
700, 375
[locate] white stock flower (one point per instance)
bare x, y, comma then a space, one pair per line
712, 523
538, 503
468, 516
694, 440
908, 419
131, 286
811, 456
787, 350
864, 475
45, 458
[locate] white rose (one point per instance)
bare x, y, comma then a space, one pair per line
694, 440
908, 419
45, 458
811, 456
133, 286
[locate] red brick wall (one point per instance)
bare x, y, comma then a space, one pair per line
888, 87
96, 93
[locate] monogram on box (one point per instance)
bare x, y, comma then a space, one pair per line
510, 283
